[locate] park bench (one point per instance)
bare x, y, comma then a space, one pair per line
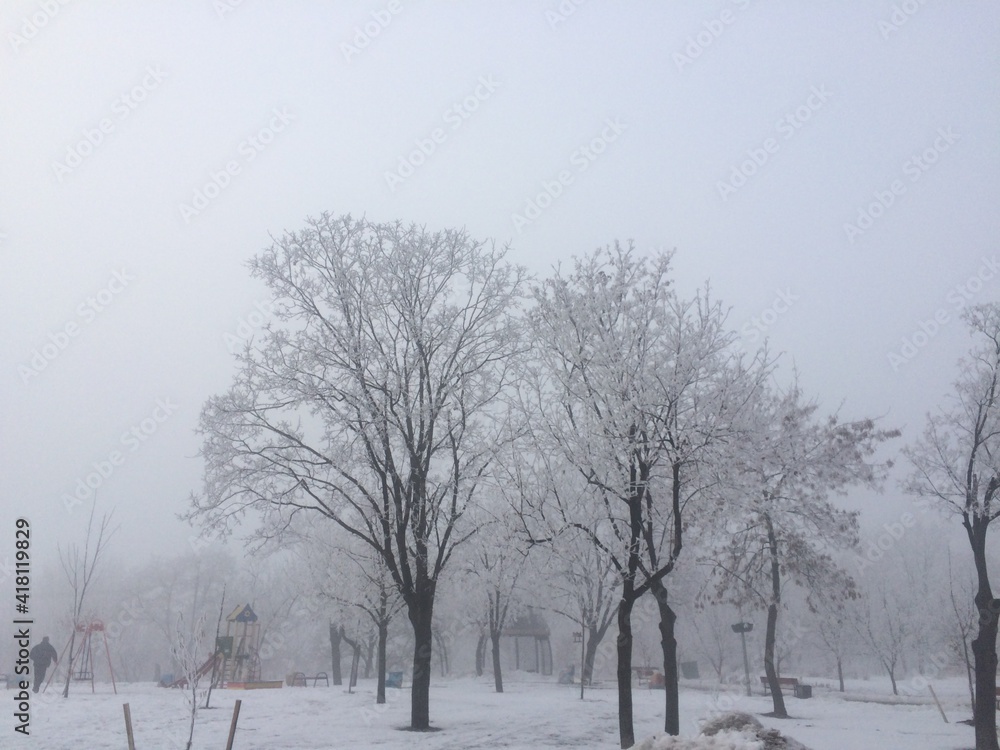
643, 674
300, 679
789, 682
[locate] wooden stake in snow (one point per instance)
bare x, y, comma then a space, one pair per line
934, 695
232, 726
128, 727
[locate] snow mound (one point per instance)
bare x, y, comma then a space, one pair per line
730, 731
722, 741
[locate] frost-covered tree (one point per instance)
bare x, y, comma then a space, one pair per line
780, 522
351, 574
586, 590
372, 401
887, 624
188, 644
837, 622
494, 563
632, 387
956, 466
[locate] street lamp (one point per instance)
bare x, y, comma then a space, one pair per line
578, 637
743, 628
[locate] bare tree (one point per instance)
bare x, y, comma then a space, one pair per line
79, 567
634, 387
836, 622
350, 573
373, 401
187, 652
781, 521
494, 565
885, 626
964, 626
586, 586
956, 466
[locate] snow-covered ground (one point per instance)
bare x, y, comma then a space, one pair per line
531, 714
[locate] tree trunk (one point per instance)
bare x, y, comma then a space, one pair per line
480, 654
840, 673
892, 679
383, 637
335, 636
355, 658
420, 609
69, 663
777, 699
668, 643
969, 673
497, 676
369, 655
626, 731
442, 648
769, 669
594, 637
984, 646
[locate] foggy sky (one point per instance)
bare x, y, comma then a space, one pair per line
752, 137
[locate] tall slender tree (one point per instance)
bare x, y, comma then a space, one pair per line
80, 567
372, 400
956, 465
633, 385
779, 521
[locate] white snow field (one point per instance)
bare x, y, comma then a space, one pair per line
531, 714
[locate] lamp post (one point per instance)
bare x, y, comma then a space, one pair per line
578, 637
743, 628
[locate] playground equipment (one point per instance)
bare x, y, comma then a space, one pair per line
204, 669
236, 661
239, 647
81, 661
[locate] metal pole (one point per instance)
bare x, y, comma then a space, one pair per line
583, 654
746, 663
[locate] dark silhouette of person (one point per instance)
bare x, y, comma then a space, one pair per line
42, 655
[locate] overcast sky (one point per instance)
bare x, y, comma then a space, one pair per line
832, 167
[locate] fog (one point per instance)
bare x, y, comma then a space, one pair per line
831, 170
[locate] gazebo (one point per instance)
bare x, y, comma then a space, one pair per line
531, 625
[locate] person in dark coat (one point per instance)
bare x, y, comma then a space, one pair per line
41, 656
